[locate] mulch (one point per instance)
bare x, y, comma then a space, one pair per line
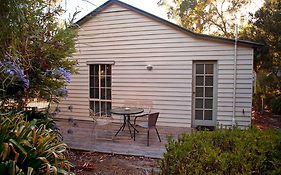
94, 163
265, 120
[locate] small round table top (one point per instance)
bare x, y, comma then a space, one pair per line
126, 110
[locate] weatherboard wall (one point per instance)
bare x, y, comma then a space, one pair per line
132, 41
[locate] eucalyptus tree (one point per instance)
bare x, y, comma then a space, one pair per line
215, 17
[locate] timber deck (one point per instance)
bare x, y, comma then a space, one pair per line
85, 135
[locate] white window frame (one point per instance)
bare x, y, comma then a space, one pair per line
100, 100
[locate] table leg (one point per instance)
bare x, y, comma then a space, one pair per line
122, 127
133, 127
130, 130
126, 122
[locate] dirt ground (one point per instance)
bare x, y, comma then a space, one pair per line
93, 163
266, 119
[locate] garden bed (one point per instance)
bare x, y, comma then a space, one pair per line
91, 163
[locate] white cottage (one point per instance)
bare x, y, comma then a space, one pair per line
193, 79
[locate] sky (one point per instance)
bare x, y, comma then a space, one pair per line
86, 6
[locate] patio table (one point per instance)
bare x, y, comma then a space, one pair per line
126, 112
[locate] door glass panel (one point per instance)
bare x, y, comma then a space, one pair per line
102, 71
208, 115
108, 81
199, 103
103, 93
199, 80
96, 107
108, 70
100, 88
209, 81
208, 104
108, 94
102, 81
199, 92
208, 92
204, 87
199, 114
209, 68
103, 107
92, 92
199, 68
94, 70
108, 106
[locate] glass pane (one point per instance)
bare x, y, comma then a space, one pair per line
108, 106
103, 93
108, 82
103, 108
199, 92
94, 93
208, 92
199, 103
209, 69
108, 69
199, 114
102, 71
199, 68
199, 80
208, 115
92, 105
96, 107
208, 104
102, 81
108, 94
94, 81
209, 81
94, 70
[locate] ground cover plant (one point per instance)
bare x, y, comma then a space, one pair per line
229, 151
28, 149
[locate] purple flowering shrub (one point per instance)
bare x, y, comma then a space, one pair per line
15, 82
59, 77
13, 79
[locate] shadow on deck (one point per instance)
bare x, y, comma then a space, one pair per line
84, 136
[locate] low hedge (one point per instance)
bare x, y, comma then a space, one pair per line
224, 152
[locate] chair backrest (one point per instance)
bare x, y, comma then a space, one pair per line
130, 103
145, 104
152, 119
96, 116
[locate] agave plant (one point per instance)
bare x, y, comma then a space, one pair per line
27, 149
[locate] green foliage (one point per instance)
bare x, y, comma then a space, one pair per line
38, 43
224, 152
276, 105
265, 28
28, 149
207, 16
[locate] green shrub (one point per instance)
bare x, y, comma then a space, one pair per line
276, 105
224, 152
29, 149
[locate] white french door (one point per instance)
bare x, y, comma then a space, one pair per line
204, 93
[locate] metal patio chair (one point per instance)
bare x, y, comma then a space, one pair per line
99, 119
149, 124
